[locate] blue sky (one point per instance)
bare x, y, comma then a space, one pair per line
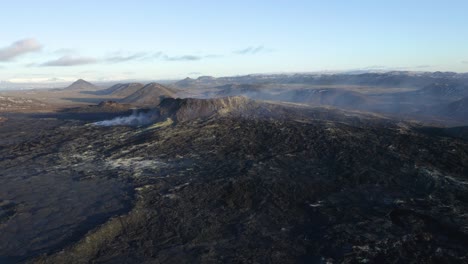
107, 40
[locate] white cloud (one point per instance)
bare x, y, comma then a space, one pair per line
182, 58
119, 57
19, 48
70, 61
187, 57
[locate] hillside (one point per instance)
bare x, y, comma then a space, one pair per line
120, 89
447, 89
333, 97
249, 90
150, 94
457, 109
81, 85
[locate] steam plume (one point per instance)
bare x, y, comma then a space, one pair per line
135, 119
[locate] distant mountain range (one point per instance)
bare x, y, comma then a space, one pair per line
389, 79
430, 94
433, 94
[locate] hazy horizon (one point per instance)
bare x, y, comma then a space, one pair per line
61, 41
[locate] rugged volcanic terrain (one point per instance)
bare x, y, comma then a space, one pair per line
232, 180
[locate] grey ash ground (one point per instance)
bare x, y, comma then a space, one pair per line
231, 180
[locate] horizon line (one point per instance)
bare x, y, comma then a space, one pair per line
65, 80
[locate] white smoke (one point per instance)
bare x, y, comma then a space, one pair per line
135, 119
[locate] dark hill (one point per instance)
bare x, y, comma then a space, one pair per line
150, 94
81, 85
187, 82
120, 89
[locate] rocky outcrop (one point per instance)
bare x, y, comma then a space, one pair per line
199, 82
191, 108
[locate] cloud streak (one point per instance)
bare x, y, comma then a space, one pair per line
188, 57
250, 50
424, 66
182, 58
119, 57
67, 61
124, 58
19, 48
465, 62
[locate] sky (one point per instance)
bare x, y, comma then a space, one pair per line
44, 41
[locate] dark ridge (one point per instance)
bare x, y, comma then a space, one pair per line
120, 89
150, 94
